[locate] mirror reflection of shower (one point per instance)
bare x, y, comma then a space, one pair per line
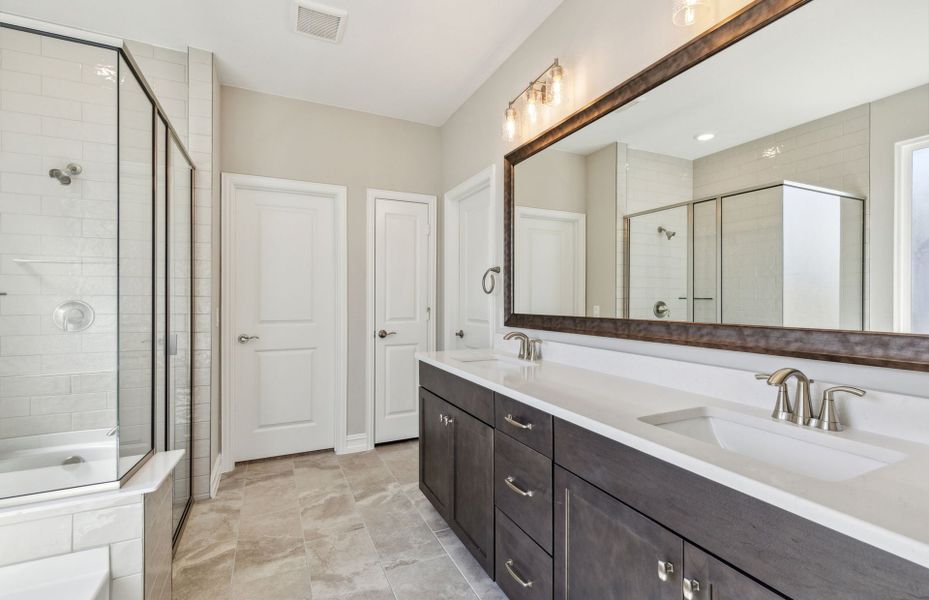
668, 233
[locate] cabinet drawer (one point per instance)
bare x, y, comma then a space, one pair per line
523, 569
523, 488
529, 425
467, 396
715, 517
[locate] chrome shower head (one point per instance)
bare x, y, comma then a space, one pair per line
668, 233
64, 176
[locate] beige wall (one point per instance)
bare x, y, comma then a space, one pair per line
600, 44
553, 180
601, 232
894, 119
281, 137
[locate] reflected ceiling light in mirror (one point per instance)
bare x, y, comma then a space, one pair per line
545, 90
704, 137
687, 12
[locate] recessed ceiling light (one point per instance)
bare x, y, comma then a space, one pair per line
704, 137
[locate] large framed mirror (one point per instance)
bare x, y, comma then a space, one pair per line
764, 188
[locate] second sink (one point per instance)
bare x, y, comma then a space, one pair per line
811, 453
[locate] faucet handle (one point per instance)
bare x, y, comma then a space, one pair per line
828, 415
782, 410
535, 349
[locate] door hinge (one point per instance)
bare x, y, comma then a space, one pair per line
428, 313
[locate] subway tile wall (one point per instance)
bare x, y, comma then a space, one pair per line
57, 242
116, 523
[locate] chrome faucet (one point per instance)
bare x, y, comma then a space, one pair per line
782, 409
828, 416
523, 342
803, 412
526, 347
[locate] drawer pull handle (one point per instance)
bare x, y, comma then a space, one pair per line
509, 569
665, 570
512, 421
509, 481
691, 588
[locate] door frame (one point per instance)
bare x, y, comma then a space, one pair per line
231, 182
450, 247
903, 230
430, 201
579, 220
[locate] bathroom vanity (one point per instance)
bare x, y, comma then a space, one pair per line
568, 483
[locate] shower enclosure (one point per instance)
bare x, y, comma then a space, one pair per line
785, 254
95, 270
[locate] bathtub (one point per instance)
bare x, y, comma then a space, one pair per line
41, 463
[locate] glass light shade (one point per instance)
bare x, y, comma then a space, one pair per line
510, 124
532, 104
557, 84
687, 12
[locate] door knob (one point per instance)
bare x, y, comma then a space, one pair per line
382, 333
245, 338
459, 333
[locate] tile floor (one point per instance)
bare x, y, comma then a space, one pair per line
320, 526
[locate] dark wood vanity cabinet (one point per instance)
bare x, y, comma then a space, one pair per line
577, 515
606, 550
456, 464
709, 578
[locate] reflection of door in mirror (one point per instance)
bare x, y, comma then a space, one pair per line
550, 248
565, 233
911, 287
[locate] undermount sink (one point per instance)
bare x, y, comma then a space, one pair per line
494, 360
813, 453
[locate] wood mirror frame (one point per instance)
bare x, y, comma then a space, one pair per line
880, 349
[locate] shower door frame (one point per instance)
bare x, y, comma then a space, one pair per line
691, 253
158, 111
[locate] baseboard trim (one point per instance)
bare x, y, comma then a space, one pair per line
355, 442
216, 475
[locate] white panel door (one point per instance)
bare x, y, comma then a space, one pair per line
286, 290
472, 321
401, 314
550, 262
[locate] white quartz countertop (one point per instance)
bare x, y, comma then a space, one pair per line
887, 508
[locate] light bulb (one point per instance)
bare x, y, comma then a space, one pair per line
557, 83
687, 12
509, 124
532, 104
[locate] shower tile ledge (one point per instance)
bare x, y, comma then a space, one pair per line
146, 480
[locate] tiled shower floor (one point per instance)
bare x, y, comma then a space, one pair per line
321, 526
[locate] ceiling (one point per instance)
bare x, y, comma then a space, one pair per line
417, 60
828, 56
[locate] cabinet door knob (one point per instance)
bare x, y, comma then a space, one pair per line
665, 570
511, 483
509, 569
691, 588
512, 421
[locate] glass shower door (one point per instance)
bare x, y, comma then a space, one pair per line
179, 417
658, 265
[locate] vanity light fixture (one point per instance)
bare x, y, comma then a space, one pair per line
546, 89
687, 12
704, 137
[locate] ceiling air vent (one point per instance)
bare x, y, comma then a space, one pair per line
320, 21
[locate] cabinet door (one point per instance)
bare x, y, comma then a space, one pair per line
474, 487
435, 451
606, 550
707, 578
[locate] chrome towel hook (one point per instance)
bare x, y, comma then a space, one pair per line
493, 280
